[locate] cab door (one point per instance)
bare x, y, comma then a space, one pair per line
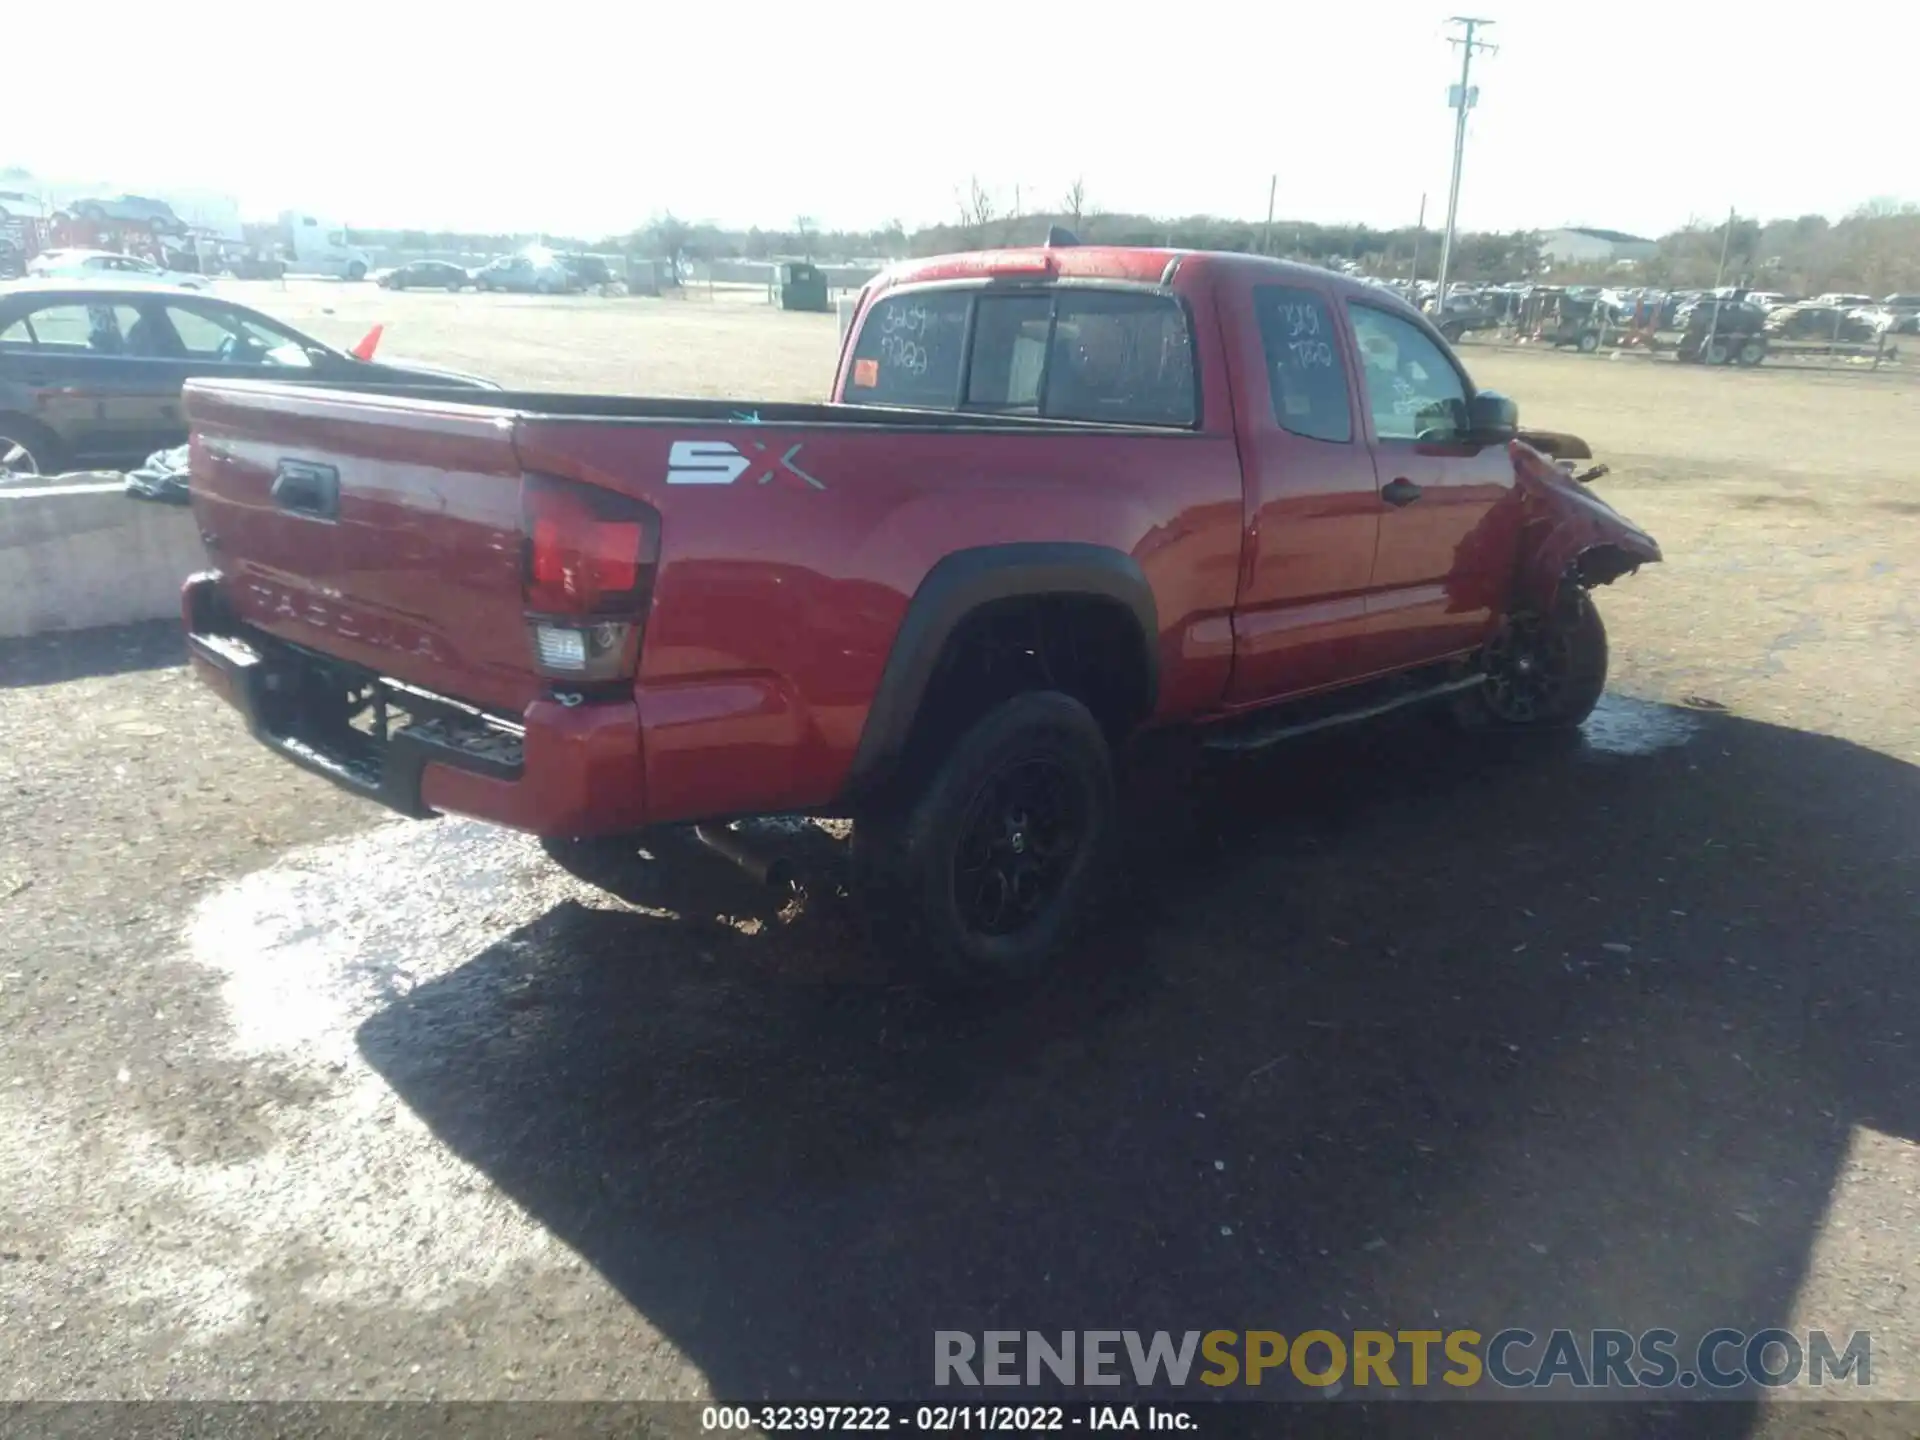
1448, 510
1312, 512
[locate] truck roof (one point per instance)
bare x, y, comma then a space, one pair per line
1106, 262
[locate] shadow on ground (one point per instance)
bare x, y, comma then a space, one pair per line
1393, 1032
80, 654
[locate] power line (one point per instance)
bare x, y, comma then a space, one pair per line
1462, 99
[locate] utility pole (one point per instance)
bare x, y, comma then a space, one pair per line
1726, 244
1719, 277
1419, 234
1266, 235
1463, 98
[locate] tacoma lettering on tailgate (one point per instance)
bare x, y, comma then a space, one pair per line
337, 619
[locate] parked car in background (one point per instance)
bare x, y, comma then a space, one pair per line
1725, 332
424, 275
1888, 319
106, 265
526, 275
1817, 320
254, 264
90, 374
1898, 314
1574, 317
589, 272
1682, 305
1466, 316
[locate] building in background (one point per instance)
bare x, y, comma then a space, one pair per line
1579, 245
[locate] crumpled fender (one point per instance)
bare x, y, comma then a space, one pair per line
1568, 534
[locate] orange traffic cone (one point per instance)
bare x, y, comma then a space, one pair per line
364, 350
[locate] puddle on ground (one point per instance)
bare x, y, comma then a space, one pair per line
1622, 726
309, 946
353, 1203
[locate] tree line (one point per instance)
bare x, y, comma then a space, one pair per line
1874, 250
1384, 252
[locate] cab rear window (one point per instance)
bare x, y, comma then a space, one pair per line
1111, 356
910, 351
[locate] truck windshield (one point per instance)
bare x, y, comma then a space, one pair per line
1119, 357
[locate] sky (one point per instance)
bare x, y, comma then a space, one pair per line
587, 122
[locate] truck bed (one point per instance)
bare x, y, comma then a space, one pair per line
385, 527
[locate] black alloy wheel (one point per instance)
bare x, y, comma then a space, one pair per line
1529, 666
1017, 846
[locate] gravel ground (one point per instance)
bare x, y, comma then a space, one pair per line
303, 1103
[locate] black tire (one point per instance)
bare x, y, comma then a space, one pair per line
990, 872
1542, 672
28, 448
1752, 352
356, 271
1589, 342
1717, 353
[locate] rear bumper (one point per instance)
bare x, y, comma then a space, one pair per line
559, 771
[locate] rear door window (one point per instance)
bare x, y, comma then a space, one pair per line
910, 349
100, 328
1305, 372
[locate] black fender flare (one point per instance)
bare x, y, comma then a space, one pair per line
957, 586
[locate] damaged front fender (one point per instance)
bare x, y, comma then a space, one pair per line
1568, 534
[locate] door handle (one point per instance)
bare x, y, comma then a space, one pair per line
1400, 491
307, 489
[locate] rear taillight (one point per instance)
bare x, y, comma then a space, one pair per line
589, 557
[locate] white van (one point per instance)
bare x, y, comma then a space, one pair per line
319, 247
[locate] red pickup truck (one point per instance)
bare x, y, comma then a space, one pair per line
1060, 496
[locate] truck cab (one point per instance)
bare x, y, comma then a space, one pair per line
320, 247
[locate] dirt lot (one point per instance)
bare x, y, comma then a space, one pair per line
1398, 1031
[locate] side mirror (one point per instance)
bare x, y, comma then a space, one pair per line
1492, 419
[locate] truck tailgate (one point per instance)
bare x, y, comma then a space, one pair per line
381, 530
